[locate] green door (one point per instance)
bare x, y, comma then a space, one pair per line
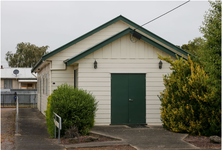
128, 105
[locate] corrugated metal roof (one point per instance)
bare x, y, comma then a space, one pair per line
23, 73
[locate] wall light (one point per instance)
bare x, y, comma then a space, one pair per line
95, 64
160, 64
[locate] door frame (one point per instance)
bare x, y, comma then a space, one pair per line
111, 95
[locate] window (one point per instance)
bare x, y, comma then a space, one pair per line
75, 78
40, 85
46, 82
8, 84
43, 85
26, 85
23, 86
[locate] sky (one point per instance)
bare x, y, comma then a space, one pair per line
55, 23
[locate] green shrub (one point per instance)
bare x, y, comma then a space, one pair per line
75, 106
188, 102
49, 118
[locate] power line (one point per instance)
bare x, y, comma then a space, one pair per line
165, 13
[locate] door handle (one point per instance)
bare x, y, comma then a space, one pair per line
131, 100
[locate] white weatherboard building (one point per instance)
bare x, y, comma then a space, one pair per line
23, 80
127, 78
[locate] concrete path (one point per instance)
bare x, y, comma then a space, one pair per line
33, 132
153, 138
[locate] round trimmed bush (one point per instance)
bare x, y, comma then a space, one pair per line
75, 106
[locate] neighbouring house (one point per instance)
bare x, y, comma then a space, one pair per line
116, 63
20, 79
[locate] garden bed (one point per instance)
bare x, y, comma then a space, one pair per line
89, 138
115, 147
201, 142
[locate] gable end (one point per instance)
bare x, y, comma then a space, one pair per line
136, 26
115, 37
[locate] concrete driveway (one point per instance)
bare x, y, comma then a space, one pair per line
152, 138
33, 133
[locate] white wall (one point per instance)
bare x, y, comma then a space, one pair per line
120, 56
61, 77
53, 76
123, 56
42, 98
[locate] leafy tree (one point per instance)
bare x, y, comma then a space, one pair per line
188, 102
194, 47
212, 34
211, 52
191, 101
207, 50
27, 55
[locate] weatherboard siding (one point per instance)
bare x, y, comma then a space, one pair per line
61, 77
152, 38
45, 72
123, 56
57, 77
57, 60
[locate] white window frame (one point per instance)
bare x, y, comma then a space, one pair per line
46, 82
43, 85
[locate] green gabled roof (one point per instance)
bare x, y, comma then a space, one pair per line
138, 27
115, 37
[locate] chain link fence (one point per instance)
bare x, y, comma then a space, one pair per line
25, 100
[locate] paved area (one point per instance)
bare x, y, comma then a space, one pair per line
152, 138
7, 128
33, 132
34, 136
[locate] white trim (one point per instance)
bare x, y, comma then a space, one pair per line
27, 80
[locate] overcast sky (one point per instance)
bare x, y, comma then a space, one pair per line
56, 23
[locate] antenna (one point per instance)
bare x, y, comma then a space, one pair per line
16, 71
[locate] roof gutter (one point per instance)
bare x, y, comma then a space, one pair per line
37, 65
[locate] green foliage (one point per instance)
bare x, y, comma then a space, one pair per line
27, 55
49, 118
75, 106
211, 52
188, 102
194, 47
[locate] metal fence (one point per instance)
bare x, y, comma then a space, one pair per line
25, 100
